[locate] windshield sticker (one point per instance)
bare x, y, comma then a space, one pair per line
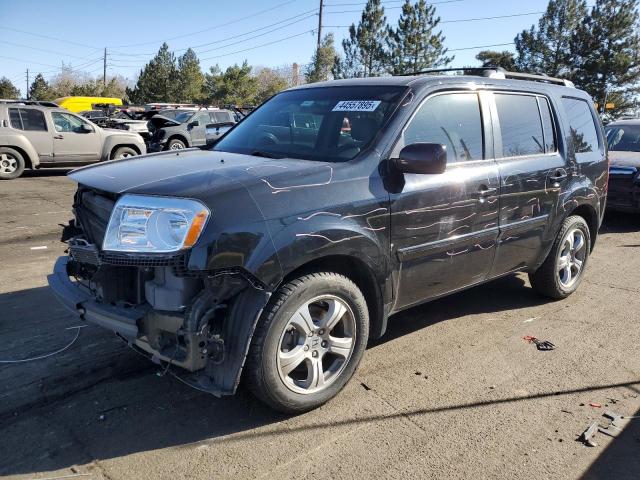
356, 106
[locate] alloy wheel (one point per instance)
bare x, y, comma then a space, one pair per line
8, 163
316, 344
571, 258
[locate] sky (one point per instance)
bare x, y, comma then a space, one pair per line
40, 35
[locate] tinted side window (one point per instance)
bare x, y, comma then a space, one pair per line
14, 118
33, 120
520, 125
583, 133
452, 120
547, 124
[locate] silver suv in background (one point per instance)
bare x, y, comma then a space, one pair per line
41, 134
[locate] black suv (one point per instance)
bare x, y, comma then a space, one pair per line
282, 251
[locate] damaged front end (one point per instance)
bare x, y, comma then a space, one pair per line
200, 320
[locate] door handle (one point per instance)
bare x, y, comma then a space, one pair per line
485, 191
58, 137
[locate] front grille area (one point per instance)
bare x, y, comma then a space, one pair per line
92, 211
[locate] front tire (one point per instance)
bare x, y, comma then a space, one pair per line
176, 144
11, 163
308, 342
124, 152
561, 273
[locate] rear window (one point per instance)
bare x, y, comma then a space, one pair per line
520, 124
27, 119
583, 134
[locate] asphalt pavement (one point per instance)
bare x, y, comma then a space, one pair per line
452, 391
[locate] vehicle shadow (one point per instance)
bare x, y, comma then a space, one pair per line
47, 172
97, 399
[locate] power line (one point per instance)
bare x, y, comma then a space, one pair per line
307, 13
461, 20
387, 2
385, 7
4, 27
480, 46
41, 49
230, 22
262, 45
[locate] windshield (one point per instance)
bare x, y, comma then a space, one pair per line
183, 117
332, 124
624, 138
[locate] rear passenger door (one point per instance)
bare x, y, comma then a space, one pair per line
444, 226
532, 173
32, 124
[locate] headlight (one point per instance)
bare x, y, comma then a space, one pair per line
148, 224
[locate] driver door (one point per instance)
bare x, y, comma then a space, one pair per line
74, 139
198, 132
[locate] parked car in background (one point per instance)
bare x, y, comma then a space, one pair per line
78, 104
275, 258
189, 129
623, 137
41, 134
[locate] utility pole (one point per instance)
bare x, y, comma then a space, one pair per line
104, 68
27, 84
320, 24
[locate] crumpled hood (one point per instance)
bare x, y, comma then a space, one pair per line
160, 121
624, 159
200, 173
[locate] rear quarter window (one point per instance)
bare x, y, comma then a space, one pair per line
583, 135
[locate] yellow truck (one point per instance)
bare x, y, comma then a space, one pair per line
82, 104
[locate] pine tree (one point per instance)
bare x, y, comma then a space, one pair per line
607, 46
414, 45
157, 80
365, 54
8, 90
236, 86
547, 49
190, 80
40, 89
503, 59
322, 61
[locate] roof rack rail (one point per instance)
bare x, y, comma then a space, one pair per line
498, 72
30, 102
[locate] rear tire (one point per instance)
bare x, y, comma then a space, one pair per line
308, 342
11, 163
561, 273
124, 152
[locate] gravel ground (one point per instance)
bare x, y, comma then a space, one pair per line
452, 390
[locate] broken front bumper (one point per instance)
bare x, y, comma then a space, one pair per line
209, 340
624, 189
82, 303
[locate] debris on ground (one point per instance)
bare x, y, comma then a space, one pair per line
595, 405
613, 428
588, 434
542, 345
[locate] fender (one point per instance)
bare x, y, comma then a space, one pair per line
578, 194
20, 142
111, 141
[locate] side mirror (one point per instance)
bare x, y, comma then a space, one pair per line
86, 128
422, 158
195, 123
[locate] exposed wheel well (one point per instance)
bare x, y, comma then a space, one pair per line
178, 137
114, 149
358, 272
591, 217
27, 160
